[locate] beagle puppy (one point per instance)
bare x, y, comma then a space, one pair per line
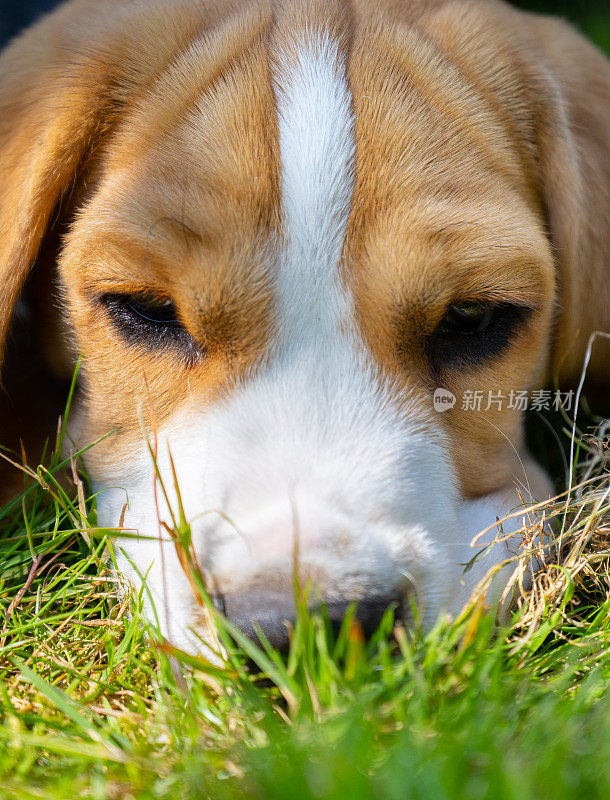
274, 230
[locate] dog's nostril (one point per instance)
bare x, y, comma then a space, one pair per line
251, 612
219, 601
369, 612
274, 615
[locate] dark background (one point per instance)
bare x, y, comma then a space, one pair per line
592, 16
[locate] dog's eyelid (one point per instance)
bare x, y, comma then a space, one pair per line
150, 322
463, 340
156, 309
495, 300
102, 294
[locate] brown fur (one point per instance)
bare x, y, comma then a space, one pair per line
483, 169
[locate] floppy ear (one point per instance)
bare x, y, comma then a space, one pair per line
64, 85
574, 153
54, 105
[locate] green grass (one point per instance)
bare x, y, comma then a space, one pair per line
90, 707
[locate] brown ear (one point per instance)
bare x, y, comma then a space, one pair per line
64, 85
574, 141
54, 105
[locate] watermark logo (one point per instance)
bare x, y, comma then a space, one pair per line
539, 400
444, 400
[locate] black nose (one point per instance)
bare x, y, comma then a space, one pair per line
274, 615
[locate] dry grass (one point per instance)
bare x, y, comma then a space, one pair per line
86, 700
572, 574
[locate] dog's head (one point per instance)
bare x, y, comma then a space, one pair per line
285, 227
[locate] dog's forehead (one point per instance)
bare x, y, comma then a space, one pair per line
199, 173
295, 181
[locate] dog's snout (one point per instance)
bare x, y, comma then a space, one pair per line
368, 612
274, 616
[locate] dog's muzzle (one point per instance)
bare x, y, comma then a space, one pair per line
274, 616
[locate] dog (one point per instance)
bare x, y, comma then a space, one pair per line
275, 231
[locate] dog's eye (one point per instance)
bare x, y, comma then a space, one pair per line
473, 331
141, 309
148, 321
159, 312
468, 318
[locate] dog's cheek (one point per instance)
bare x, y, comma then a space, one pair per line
486, 427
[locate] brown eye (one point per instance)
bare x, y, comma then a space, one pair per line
149, 322
468, 318
474, 331
159, 312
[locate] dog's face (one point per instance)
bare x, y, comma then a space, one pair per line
298, 231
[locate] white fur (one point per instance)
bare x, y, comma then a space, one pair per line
317, 444
318, 150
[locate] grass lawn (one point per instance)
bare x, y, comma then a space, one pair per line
91, 707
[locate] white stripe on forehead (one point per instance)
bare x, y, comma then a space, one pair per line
317, 148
